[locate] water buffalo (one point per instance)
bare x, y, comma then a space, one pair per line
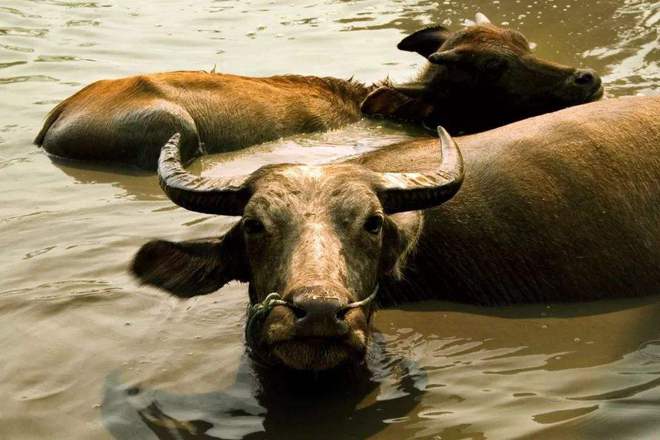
480, 77
564, 206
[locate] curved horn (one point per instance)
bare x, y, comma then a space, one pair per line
480, 18
412, 191
223, 196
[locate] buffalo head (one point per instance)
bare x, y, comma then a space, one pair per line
480, 77
320, 237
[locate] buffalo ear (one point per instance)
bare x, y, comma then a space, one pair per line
384, 101
191, 268
391, 103
426, 41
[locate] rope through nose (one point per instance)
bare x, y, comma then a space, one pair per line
257, 313
363, 302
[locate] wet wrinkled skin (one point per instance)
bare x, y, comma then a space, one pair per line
485, 76
313, 245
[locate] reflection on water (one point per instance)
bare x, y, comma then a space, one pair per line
89, 354
312, 148
547, 369
136, 183
637, 49
264, 404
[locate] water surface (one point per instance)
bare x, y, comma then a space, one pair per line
78, 335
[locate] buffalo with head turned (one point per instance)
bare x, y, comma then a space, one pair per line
564, 206
479, 77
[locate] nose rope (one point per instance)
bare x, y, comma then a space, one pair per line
363, 302
257, 313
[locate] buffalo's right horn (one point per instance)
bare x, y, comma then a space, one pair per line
401, 192
223, 196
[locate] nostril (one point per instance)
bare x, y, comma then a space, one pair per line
310, 310
584, 77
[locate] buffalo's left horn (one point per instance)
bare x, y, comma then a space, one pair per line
223, 196
401, 192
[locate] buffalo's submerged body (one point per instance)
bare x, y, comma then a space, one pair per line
560, 207
479, 77
128, 120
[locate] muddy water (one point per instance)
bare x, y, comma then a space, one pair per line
86, 353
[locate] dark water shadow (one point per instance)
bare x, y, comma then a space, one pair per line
270, 404
97, 165
535, 310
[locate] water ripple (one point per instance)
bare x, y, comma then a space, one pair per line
26, 78
58, 58
11, 64
23, 32
16, 48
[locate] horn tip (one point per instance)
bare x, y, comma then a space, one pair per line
176, 137
441, 131
480, 18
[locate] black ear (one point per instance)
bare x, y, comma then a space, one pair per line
191, 268
426, 41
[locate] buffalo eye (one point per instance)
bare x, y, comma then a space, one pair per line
373, 224
252, 226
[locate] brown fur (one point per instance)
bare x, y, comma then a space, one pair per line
128, 120
560, 207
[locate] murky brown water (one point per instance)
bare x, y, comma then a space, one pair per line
75, 330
